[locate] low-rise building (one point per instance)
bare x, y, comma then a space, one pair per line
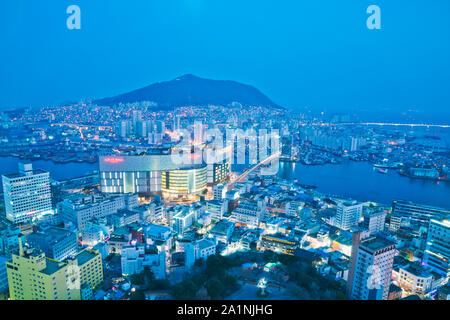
79, 209
223, 231
278, 243
414, 279
136, 257
57, 243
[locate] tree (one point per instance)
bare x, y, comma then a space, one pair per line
228, 280
215, 288
148, 275
217, 265
185, 290
137, 279
159, 285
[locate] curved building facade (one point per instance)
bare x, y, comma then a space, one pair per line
184, 181
147, 175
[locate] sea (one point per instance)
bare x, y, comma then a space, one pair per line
349, 179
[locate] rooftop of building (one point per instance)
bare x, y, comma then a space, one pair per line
155, 229
205, 243
22, 175
124, 213
394, 288
222, 227
51, 235
445, 289
412, 297
85, 256
349, 203
416, 205
121, 231
416, 270
376, 243
278, 236
81, 200
52, 266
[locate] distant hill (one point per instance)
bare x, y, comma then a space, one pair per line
190, 90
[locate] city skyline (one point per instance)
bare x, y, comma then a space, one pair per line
302, 55
236, 151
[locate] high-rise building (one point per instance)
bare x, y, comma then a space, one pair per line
199, 132
27, 194
123, 128
32, 276
437, 252
374, 221
90, 268
184, 182
419, 213
136, 116
141, 129
218, 172
348, 214
176, 123
371, 264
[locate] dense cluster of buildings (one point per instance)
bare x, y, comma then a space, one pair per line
147, 210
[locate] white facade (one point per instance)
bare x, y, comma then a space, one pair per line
220, 190
201, 249
27, 194
293, 208
437, 252
216, 208
249, 213
135, 258
348, 214
183, 219
80, 210
415, 281
92, 235
373, 269
374, 221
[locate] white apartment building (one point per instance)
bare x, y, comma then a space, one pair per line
374, 221
79, 209
249, 213
135, 258
348, 213
183, 219
27, 194
220, 190
372, 274
217, 208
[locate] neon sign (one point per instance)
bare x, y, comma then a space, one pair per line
114, 160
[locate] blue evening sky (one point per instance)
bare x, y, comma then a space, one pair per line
316, 53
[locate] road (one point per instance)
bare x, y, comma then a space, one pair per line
245, 174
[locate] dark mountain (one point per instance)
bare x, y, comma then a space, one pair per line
191, 90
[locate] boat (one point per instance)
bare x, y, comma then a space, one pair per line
381, 170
